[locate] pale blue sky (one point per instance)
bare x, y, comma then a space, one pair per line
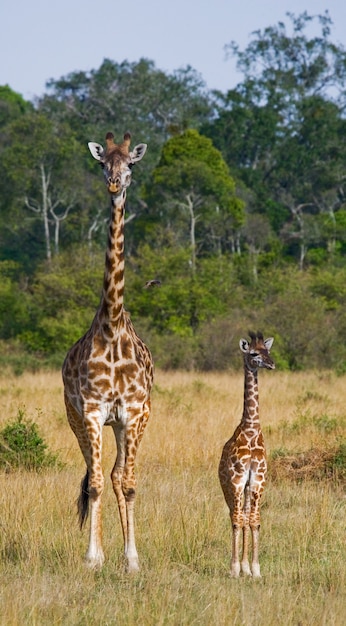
42, 39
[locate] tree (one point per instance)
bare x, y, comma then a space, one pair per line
292, 66
256, 232
280, 128
129, 96
136, 97
13, 301
42, 164
192, 184
12, 105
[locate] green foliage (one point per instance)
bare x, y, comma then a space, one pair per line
279, 131
193, 173
237, 192
12, 105
64, 301
182, 302
338, 462
168, 306
13, 301
21, 446
15, 357
137, 96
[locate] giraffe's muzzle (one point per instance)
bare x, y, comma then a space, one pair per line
114, 187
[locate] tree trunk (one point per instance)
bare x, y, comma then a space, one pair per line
45, 186
193, 220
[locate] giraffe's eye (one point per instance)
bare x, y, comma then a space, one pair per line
130, 166
254, 353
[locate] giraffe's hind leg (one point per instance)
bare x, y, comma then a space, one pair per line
89, 436
255, 529
233, 499
225, 478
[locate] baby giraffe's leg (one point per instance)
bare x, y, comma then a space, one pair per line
245, 566
237, 525
255, 528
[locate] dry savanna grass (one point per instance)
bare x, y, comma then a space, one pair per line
183, 527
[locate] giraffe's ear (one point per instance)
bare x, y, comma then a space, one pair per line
96, 150
268, 343
138, 152
244, 345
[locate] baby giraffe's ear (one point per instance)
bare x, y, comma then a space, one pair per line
244, 345
268, 343
138, 152
96, 150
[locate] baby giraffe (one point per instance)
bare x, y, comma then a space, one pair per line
243, 465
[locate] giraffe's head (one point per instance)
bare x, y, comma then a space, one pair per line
257, 351
117, 161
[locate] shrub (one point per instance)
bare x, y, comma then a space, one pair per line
22, 446
338, 462
314, 464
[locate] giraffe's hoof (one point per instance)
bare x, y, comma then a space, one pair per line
94, 562
256, 573
235, 571
245, 570
132, 565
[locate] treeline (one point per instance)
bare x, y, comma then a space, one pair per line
238, 207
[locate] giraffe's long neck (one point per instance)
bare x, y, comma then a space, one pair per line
113, 282
250, 417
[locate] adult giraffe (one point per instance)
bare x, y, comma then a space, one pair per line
108, 373
243, 465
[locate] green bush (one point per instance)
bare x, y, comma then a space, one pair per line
338, 462
22, 446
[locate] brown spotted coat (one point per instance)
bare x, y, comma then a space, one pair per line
243, 465
108, 373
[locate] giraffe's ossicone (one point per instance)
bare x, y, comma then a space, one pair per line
108, 373
243, 464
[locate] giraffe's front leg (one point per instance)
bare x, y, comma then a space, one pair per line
245, 565
237, 525
94, 556
125, 497
117, 477
129, 490
134, 435
131, 555
257, 483
235, 563
124, 485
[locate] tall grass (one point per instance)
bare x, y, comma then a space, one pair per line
183, 527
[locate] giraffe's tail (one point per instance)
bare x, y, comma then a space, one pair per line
83, 500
